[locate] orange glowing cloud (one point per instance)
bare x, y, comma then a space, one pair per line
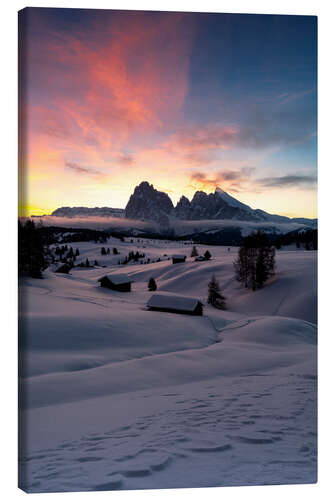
232, 180
133, 80
109, 101
109, 91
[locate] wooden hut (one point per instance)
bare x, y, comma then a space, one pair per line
118, 282
175, 304
63, 268
177, 258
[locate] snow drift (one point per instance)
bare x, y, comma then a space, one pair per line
117, 397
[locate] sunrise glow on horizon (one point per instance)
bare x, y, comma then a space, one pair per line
185, 101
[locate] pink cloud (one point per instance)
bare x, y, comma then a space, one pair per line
201, 144
125, 78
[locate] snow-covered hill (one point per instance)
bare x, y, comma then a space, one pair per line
117, 397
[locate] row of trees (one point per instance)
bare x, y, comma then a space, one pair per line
132, 256
307, 239
194, 253
64, 251
106, 251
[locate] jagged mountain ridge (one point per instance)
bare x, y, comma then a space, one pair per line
147, 203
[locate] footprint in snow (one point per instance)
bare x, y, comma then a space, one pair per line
254, 440
114, 484
211, 449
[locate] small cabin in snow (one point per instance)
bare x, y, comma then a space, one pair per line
63, 268
118, 282
175, 303
177, 258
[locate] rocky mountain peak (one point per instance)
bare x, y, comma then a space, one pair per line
182, 208
148, 203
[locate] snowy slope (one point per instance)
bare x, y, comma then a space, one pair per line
118, 397
231, 200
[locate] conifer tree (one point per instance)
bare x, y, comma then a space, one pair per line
32, 258
194, 252
152, 286
215, 298
207, 255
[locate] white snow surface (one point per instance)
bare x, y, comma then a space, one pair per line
170, 300
117, 397
231, 200
117, 279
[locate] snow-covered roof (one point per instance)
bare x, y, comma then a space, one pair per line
171, 301
178, 256
117, 279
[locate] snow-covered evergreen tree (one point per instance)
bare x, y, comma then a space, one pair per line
215, 298
152, 286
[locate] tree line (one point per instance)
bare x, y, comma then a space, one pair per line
307, 239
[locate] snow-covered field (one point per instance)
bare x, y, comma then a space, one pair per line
117, 397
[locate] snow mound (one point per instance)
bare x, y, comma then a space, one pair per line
259, 344
231, 200
273, 331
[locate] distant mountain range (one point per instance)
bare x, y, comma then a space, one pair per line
88, 212
148, 204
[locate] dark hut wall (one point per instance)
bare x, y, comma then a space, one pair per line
122, 287
196, 312
177, 260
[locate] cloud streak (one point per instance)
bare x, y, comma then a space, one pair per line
201, 144
295, 180
229, 179
78, 169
